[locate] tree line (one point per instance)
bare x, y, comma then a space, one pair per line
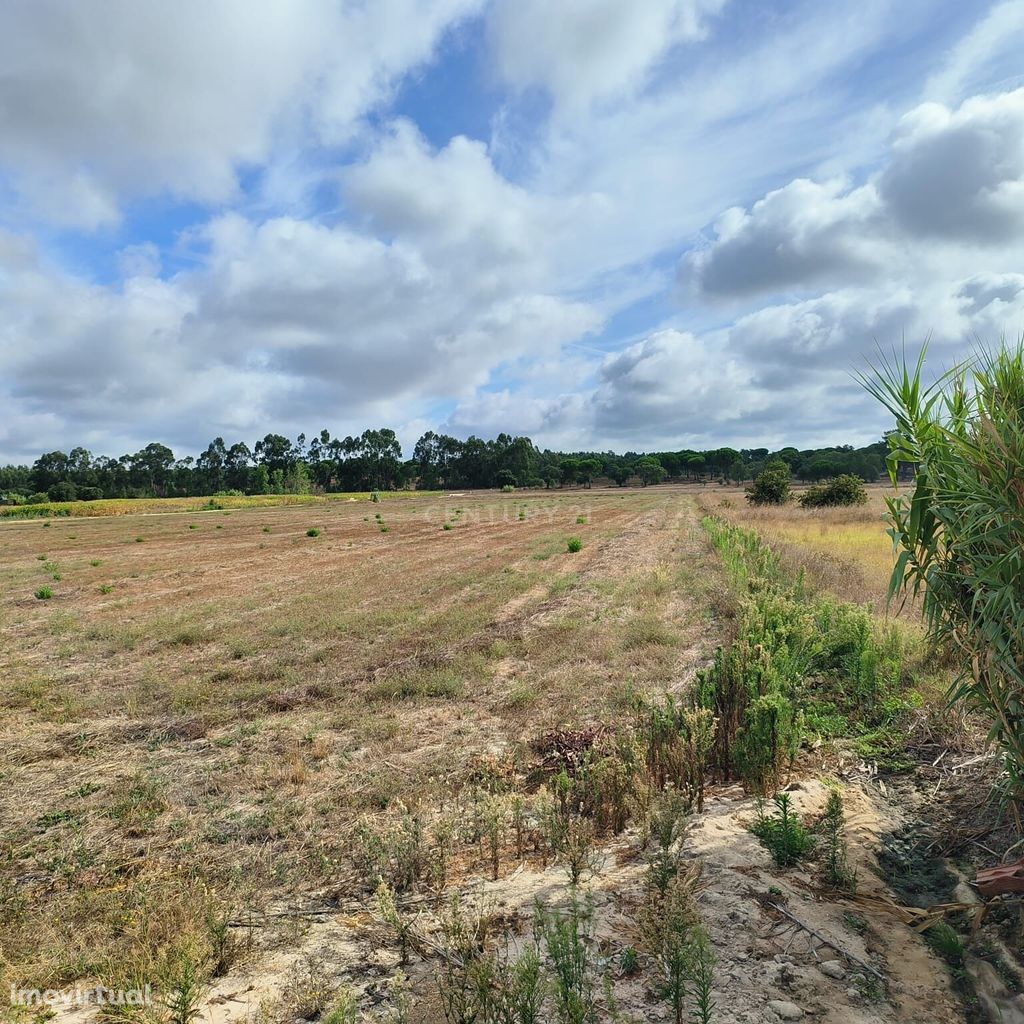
374, 461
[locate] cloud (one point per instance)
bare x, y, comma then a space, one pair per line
951, 176
669, 383
590, 49
794, 237
355, 261
156, 97
959, 174
295, 323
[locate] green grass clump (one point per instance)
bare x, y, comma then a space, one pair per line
44, 594
575, 544
106, 588
446, 526
139, 540
95, 562
266, 529
581, 520
312, 532
193, 526
42, 558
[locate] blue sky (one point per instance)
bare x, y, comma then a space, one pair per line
601, 223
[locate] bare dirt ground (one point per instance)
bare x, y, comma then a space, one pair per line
199, 721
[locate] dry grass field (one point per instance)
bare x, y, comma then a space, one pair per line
221, 727
208, 703
844, 550
153, 506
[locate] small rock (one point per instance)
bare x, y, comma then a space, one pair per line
832, 969
785, 1011
853, 994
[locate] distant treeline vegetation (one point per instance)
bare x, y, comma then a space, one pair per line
373, 461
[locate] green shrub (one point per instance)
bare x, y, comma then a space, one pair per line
783, 834
845, 489
312, 532
771, 486
575, 544
960, 531
105, 588
581, 520
44, 594
567, 936
792, 651
139, 540
375, 496
838, 872
768, 741
446, 526
508, 488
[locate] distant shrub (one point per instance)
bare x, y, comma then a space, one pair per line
44, 594
375, 496
845, 489
384, 529
266, 529
312, 532
771, 486
105, 588
95, 562
581, 520
446, 526
575, 544
39, 498
89, 493
508, 488
139, 540
193, 526
63, 490
229, 494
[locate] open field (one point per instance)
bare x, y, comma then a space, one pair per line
221, 729
220, 698
156, 506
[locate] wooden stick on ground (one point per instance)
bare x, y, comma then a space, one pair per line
828, 942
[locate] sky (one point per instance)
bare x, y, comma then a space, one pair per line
609, 225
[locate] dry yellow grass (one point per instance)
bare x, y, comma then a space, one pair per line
843, 550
